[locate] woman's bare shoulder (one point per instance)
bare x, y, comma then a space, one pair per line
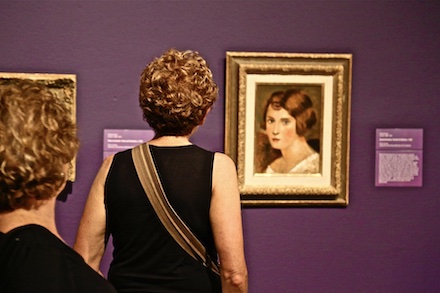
224, 169
222, 160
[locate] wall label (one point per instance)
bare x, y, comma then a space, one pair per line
116, 140
399, 157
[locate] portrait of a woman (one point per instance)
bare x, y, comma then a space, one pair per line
282, 144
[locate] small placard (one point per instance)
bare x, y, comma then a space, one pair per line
116, 140
399, 157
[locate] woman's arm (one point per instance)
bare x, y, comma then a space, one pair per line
225, 214
91, 232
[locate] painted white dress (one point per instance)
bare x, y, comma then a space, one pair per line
308, 165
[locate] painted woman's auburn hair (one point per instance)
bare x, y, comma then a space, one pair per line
37, 137
176, 91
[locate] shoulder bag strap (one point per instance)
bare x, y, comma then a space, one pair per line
150, 181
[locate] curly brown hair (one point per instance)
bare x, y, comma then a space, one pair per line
176, 91
37, 138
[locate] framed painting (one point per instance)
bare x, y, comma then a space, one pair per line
62, 86
287, 122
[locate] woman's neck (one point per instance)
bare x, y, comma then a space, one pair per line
43, 215
291, 156
170, 140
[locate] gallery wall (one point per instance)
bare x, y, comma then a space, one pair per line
386, 240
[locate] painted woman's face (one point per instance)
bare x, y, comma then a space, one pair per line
280, 128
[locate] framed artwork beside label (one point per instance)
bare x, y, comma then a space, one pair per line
287, 127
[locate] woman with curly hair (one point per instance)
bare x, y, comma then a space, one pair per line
177, 91
37, 142
283, 148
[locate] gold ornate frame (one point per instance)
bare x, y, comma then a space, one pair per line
63, 86
248, 76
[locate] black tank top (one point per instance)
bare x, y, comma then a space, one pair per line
145, 257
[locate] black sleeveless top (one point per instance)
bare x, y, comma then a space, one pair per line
145, 257
32, 259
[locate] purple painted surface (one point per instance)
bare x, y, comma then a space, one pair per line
386, 240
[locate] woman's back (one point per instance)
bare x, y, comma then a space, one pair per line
146, 257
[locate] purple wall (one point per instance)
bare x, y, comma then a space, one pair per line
387, 239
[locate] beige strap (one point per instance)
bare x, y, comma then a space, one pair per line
150, 181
